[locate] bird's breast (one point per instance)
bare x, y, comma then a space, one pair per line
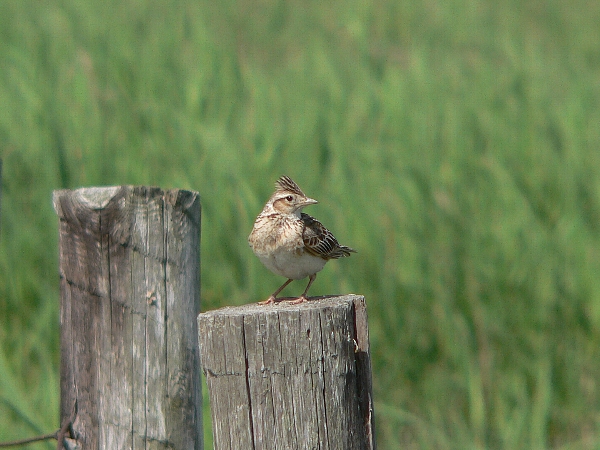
292, 264
271, 233
279, 245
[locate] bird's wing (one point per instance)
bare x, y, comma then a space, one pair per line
319, 241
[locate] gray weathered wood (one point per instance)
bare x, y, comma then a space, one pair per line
129, 275
289, 376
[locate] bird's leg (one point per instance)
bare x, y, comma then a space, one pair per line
273, 297
303, 297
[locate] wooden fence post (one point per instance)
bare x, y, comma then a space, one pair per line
129, 276
289, 376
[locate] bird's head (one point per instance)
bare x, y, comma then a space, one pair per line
288, 198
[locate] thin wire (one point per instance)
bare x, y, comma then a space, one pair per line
29, 440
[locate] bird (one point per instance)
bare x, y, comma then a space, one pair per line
291, 243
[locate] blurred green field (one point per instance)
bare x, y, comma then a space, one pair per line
455, 144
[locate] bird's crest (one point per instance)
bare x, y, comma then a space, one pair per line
285, 183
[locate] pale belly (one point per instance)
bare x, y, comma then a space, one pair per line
294, 265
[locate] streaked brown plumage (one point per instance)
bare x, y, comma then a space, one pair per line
291, 243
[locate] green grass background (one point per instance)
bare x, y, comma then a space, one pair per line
454, 143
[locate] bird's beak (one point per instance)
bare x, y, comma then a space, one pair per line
309, 201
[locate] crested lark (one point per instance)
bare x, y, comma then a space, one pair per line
291, 243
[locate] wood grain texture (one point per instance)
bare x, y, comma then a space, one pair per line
289, 376
129, 274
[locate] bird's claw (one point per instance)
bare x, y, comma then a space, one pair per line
299, 300
268, 301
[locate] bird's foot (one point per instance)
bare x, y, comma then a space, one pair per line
271, 299
299, 300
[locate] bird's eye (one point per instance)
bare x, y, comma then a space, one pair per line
289, 198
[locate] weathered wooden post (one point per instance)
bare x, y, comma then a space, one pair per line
289, 376
129, 275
